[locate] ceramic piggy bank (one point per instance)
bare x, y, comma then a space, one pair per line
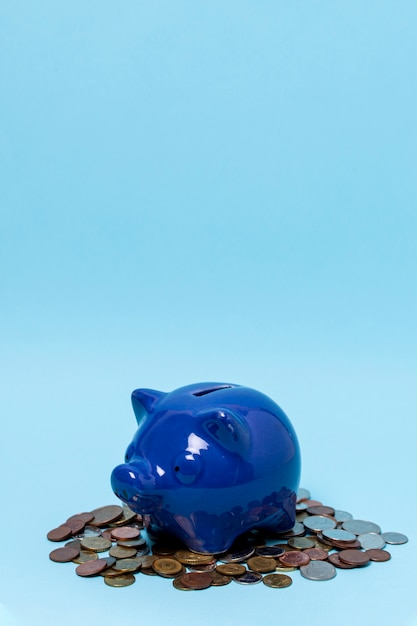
209, 462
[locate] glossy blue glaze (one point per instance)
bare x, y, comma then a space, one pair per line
209, 462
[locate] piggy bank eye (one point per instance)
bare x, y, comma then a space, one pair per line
129, 453
187, 468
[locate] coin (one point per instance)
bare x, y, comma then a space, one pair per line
186, 557
166, 567
120, 552
127, 516
89, 531
262, 564
162, 549
179, 585
277, 581
127, 565
273, 551
301, 543
342, 516
285, 568
336, 534
147, 561
370, 541
85, 517
354, 557
91, 568
63, 555
319, 509
297, 530
335, 560
204, 567
237, 556
133, 543
196, 580
316, 554
317, 523
219, 580
76, 525
303, 494
124, 533
318, 570
104, 515
96, 544
300, 507
60, 533
394, 538
231, 569
123, 580
248, 578
75, 543
359, 526
85, 555
378, 555
294, 559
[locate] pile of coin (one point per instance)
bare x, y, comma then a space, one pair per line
322, 539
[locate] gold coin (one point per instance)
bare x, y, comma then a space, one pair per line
219, 580
262, 564
96, 544
122, 553
105, 515
124, 580
168, 568
283, 568
231, 569
186, 557
277, 581
127, 565
85, 555
110, 572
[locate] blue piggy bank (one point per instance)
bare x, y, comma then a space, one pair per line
209, 462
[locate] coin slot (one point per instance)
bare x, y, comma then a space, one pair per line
206, 391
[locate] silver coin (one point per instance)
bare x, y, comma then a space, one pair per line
318, 570
394, 538
237, 556
248, 578
296, 531
300, 506
89, 531
369, 541
336, 534
360, 526
303, 494
317, 523
342, 516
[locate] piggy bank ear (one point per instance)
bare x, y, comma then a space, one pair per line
228, 429
143, 401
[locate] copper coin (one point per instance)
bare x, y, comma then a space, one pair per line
107, 534
219, 580
104, 515
231, 569
163, 549
313, 503
60, 533
263, 564
335, 560
119, 552
319, 509
294, 559
91, 568
196, 580
64, 555
76, 525
378, 555
125, 533
354, 557
85, 555
123, 580
75, 543
85, 517
96, 544
316, 554
179, 585
277, 581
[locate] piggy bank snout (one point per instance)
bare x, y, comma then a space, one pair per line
129, 479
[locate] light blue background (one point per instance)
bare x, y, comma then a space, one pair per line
201, 191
